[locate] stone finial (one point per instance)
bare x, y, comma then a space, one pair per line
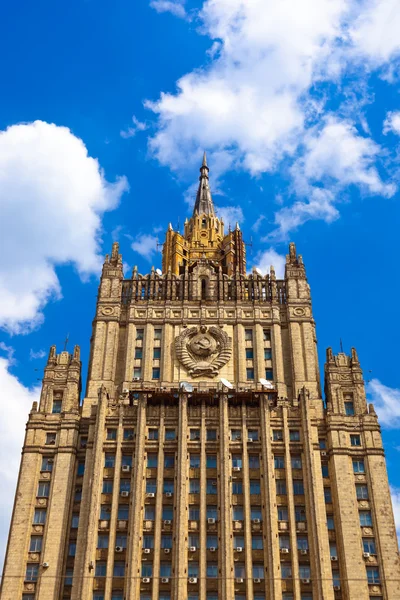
354, 356
52, 355
77, 353
329, 355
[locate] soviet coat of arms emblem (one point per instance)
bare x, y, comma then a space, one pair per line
202, 352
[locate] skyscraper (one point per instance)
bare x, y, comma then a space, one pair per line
203, 462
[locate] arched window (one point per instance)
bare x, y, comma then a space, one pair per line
204, 223
203, 289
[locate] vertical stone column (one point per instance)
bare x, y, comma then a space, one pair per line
114, 508
277, 361
246, 507
134, 558
167, 363
111, 351
179, 589
239, 350
270, 526
321, 571
159, 505
227, 574
259, 352
147, 361
298, 364
130, 352
310, 360
203, 506
291, 509
89, 515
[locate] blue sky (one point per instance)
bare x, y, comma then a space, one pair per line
104, 113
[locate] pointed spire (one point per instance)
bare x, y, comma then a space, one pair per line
204, 203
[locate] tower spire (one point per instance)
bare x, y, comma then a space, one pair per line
204, 202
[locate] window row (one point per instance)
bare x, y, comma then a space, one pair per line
250, 353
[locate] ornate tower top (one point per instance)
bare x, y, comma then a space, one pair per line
204, 203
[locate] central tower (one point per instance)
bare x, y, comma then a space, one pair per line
203, 462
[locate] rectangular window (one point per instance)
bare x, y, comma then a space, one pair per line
109, 461
165, 569
157, 334
355, 440
349, 408
39, 517
47, 464
294, 435
255, 487
304, 572
156, 373
280, 487
56, 407
167, 513
211, 486
298, 487
169, 461
365, 518
267, 354
168, 486
212, 541
148, 541
151, 486
149, 512
193, 569
286, 571
238, 513
102, 540
248, 335
237, 460
236, 435
107, 486
333, 549
240, 570
153, 434
249, 354
252, 434
124, 485
284, 542
195, 434
322, 444
211, 461
193, 540
32, 571
35, 544
250, 373
111, 434
43, 490
373, 575
330, 522
139, 334
325, 470
300, 514
296, 462
166, 541
138, 353
279, 462
302, 542
254, 461
277, 435
194, 461
369, 545
75, 521
119, 569
105, 512
194, 512
283, 513
257, 542
152, 460
358, 466
255, 513
123, 512
194, 486
69, 573
72, 549
170, 434
328, 494
157, 353
50, 439
126, 460
147, 570
211, 435
258, 571
362, 492
212, 570
237, 487
137, 372
128, 435
269, 374
267, 335
81, 469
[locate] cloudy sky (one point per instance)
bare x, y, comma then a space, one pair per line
105, 111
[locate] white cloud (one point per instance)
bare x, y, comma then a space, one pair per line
264, 260
132, 131
392, 123
175, 7
386, 401
52, 198
145, 244
230, 215
16, 402
375, 31
395, 492
256, 226
35, 355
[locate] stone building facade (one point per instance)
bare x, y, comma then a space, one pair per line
203, 463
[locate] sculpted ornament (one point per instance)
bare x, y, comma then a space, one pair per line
203, 352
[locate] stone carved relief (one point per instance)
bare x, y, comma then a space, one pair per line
203, 352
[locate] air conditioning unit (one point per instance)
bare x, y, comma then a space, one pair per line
323, 453
119, 549
136, 379
126, 468
239, 549
124, 494
256, 521
212, 549
336, 588
146, 550
167, 522
192, 579
237, 469
211, 521
239, 580
333, 558
257, 580
284, 550
366, 554
151, 495
167, 550
192, 549
249, 440
306, 581
50, 460
146, 580
214, 484
304, 552
164, 580
45, 565
283, 525
168, 494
